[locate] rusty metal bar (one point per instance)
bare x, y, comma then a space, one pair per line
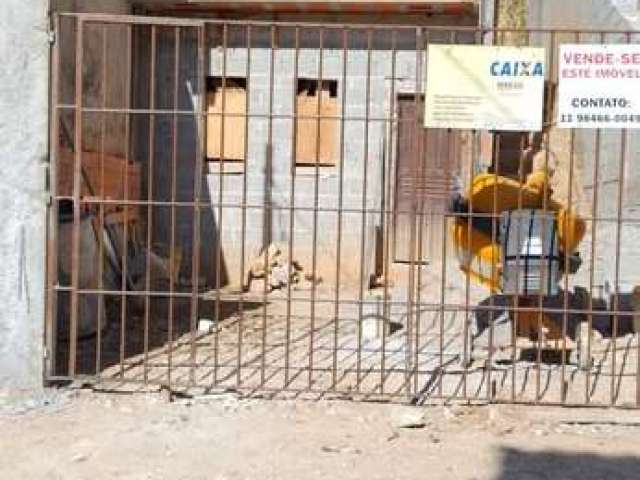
95, 201
244, 210
316, 192
546, 193
363, 231
385, 212
467, 348
565, 317
336, 312
174, 173
125, 242
200, 118
413, 217
101, 208
51, 320
77, 193
516, 299
268, 210
189, 113
292, 201
218, 255
151, 173
592, 265
616, 292
489, 362
427, 305
194, 22
421, 166
443, 267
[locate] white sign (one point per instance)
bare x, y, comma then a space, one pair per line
599, 86
484, 87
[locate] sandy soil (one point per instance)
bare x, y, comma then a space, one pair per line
80, 434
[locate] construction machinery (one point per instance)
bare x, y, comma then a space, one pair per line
517, 241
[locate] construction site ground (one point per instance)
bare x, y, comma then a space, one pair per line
269, 346
82, 434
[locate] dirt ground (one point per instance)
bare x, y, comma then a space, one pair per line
81, 434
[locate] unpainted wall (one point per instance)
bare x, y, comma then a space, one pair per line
367, 155
24, 47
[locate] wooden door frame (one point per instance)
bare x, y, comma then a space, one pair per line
402, 96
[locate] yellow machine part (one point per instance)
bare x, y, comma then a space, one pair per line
479, 256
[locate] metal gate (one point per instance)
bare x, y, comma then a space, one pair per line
225, 215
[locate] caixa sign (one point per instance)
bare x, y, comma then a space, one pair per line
484, 87
516, 68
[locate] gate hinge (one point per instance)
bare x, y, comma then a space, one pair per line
51, 36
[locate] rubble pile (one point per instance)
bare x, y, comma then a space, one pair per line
276, 265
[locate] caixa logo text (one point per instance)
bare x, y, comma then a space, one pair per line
516, 68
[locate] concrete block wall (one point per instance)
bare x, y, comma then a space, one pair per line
263, 226
24, 47
363, 159
267, 169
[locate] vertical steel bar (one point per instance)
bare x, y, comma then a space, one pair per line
516, 298
420, 178
125, 241
292, 201
565, 316
492, 314
336, 312
467, 343
363, 232
174, 171
150, 175
51, 326
218, 263
546, 194
199, 117
466, 333
616, 298
594, 213
101, 227
570, 208
247, 131
387, 171
268, 207
443, 287
443, 272
316, 192
616, 294
412, 216
77, 192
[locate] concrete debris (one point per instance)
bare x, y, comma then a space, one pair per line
340, 449
395, 435
278, 268
206, 325
80, 457
407, 417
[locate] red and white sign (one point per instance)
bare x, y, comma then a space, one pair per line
599, 86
